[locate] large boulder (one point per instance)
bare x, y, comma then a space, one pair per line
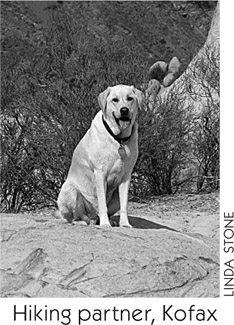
44, 257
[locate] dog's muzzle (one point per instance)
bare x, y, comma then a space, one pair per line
124, 120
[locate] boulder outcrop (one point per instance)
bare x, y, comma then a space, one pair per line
42, 257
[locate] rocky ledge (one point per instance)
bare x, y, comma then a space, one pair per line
44, 257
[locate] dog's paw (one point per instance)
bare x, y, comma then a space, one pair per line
114, 223
93, 222
126, 225
79, 223
105, 225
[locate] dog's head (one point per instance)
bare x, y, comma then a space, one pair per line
120, 105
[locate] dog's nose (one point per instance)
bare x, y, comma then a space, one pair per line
124, 111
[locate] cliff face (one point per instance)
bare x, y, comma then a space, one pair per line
206, 58
198, 85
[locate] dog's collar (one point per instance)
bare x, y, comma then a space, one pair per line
119, 140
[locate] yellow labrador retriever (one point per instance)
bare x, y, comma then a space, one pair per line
102, 163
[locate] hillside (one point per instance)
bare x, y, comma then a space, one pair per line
157, 29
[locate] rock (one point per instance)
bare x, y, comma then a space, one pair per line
169, 79
162, 75
158, 70
153, 89
44, 257
174, 66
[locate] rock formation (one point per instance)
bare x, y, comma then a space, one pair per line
165, 75
42, 257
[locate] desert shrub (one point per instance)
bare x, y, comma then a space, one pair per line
49, 98
163, 145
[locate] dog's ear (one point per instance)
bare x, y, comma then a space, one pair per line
139, 96
103, 97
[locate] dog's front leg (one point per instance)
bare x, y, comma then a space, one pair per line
101, 196
123, 200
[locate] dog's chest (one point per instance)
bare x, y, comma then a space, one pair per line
115, 176
116, 171
119, 164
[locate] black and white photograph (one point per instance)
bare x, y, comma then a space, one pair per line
110, 152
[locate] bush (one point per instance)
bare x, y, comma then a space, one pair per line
49, 99
163, 144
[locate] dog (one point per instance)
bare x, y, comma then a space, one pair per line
98, 180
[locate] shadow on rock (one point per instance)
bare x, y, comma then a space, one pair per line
141, 223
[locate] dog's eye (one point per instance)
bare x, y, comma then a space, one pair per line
129, 98
115, 100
